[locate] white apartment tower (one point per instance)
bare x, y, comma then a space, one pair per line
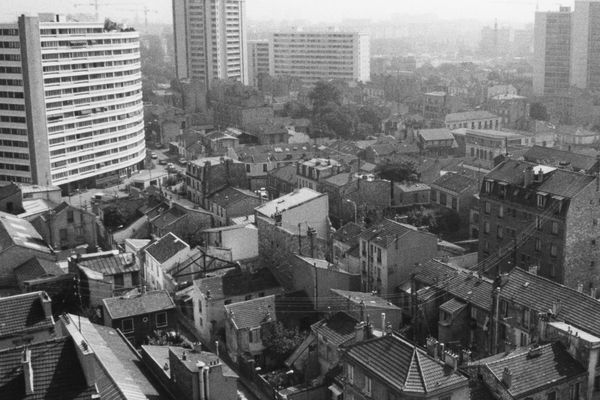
585, 45
210, 40
260, 59
313, 56
552, 52
71, 110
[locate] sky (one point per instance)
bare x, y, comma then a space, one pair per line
516, 11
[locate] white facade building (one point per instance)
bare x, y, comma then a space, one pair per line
313, 56
210, 40
585, 53
70, 102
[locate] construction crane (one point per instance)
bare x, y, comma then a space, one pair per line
97, 3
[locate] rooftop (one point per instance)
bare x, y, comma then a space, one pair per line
160, 356
402, 365
290, 200
24, 313
37, 267
108, 262
230, 195
455, 182
15, 231
145, 303
560, 158
252, 313
412, 187
368, 299
388, 232
166, 247
493, 134
236, 282
436, 134
348, 233
468, 116
287, 173
337, 330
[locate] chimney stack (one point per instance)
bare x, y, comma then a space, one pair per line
507, 377
528, 176
359, 332
383, 322
46, 304
27, 371
580, 287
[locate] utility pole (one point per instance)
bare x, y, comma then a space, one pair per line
310, 231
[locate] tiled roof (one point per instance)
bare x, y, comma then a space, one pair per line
560, 182
166, 247
550, 156
24, 313
160, 355
531, 373
368, 299
252, 313
150, 302
287, 173
166, 218
108, 262
8, 189
348, 233
458, 282
402, 365
387, 232
468, 116
538, 293
235, 282
290, 200
455, 182
340, 179
57, 372
337, 330
412, 187
230, 195
452, 306
37, 267
436, 134
15, 231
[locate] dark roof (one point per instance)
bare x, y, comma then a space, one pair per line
569, 159
235, 283
538, 293
166, 247
341, 179
337, 330
8, 189
287, 173
24, 313
387, 232
460, 283
57, 372
403, 366
436, 134
348, 233
15, 231
252, 313
551, 365
108, 263
452, 306
35, 268
559, 182
455, 182
167, 217
146, 303
230, 195
468, 116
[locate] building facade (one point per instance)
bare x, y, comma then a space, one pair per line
260, 60
210, 40
71, 102
313, 56
585, 54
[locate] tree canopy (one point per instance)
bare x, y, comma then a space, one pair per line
398, 171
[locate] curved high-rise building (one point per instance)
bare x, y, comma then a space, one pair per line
71, 111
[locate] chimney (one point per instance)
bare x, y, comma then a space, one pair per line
466, 356
528, 176
46, 304
383, 326
359, 332
432, 347
533, 269
442, 351
593, 292
507, 377
27, 371
580, 287
451, 360
85, 354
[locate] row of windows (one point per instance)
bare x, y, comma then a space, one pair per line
13, 131
10, 70
18, 156
12, 107
82, 66
160, 320
72, 149
10, 57
12, 119
18, 179
62, 175
14, 167
10, 45
103, 76
86, 89
11, 82
11, 95
86, 54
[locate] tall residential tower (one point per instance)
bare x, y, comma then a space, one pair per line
71, 110
210, 40
585, 45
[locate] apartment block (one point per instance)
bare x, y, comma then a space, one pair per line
260, 60
71, 101
585, 53
322, 55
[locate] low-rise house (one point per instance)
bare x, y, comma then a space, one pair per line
218, 142
345, 247
410, 194
367, 307
473, 120
38, 274
488, 146
245, 325
191, 374
11, 198
239, 241
562, 159
436, 142
282, 180
104, 274
310, 173
183, 221
209, 175
367, 367
231, 202
25, 319
455, 192
160, 257
140, 315
511, 108
211, 294
33, 192
547, 371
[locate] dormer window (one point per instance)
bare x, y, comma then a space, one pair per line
488, 186
541, 200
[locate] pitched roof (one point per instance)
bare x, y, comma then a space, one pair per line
337, 330
235, 282
368, 299
166, 217
403, 366
252, 313
538, 293
15, 231
560, 158
559, 182
290, 200
287, 173
348, 233
108, 262
145, 303
37, 267
160, 356
452, 306
532, 370
24, 313
341, 179
166, 247
455, 182
436, 134
57, 372
230, 195
468, 116
387, 232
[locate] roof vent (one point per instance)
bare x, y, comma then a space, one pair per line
534, 351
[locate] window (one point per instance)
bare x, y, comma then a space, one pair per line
454, 203
367, 388
538, 245
597, 383
248, 297
501, 212
525, 314
264, 167
350, 374
119, 281
538, 223
551, 396
135, 278
503, 308
70, 217
524, 339
127, 325
200, 306
488, 207
488, 186
227, 301
247, 167
499, 232
555, 228
486, 227
255, 335
553, 250
161, 319
541, 200
574, 391
378, 255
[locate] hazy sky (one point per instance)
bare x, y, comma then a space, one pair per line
517, 11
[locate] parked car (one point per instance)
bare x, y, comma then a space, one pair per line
182, 161
154, 156
162, 162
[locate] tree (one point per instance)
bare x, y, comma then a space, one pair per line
295, 109
114, 217
398, 171
280, 340
538, 112
322, 94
